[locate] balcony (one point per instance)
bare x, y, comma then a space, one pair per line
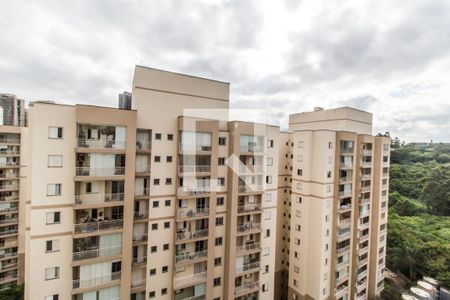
8, 232
366, 152
346, 165
246, 288
143, 145
141, 215
344, 207
250, 169
9, 141
143, 237
96, 253
347, 193
138, 283
8, 276
363, 226
95, 281
345, 179
343, 234
143, 169
339, 251
363, 262
346, 150
191, 256
248, 227
143, 192
100, 144
366, 177
13, 209
194, 148
14, 175
91, 227
362, 274
94, 199
139, 261
365, 189
8, 254
189, 280
5, 265
9, 164
196, 297
247, 208
102, 172
250, 188
344, 223
366, 164
194, 191
194, 168
12, 198
253, 266
9, 186
243, 249
252, 149
192, 235
9, 221
192, 214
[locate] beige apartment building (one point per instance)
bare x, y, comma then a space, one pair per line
333, 195
164, 197
12, 179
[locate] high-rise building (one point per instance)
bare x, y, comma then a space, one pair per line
166, 198
12, 193
334, 203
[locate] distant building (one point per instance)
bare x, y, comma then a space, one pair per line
12, 110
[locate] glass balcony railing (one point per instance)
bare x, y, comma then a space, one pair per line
95, 281
100, 143
88, 199
90, 171
91, 227
96, 253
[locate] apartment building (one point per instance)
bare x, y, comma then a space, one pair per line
162, 199
333, 193
12, 169
12, 111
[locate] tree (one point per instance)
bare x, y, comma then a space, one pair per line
12, 293
436, 192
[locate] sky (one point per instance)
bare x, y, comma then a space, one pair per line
388, 57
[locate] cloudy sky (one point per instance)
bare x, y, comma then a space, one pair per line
389, 57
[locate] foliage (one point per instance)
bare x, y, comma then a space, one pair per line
436, 192
13, 293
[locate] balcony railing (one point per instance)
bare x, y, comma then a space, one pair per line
248, 247
191, 256
362, 274
9, 198
191, 235
95, 281
251, 169
364, 225
9, 141
366, 176
247, 267
365, 189
88, 199
143, 145
366, 164
366, 152
249, 208
8, 254
9, 209
345, 193
194, 168
14, 175
246, 287
8, 220
190, 213
346, 165
9, 152
9, 164
250, 188
141, 214
343, 249
142, 169
88, 171
138, 283
344, 207
196, 297
189, 280
252, 149
8, 265
345, 179
142, 192
96, 253
98, 226
248, 227
143, 237
9, 187
8, 232
194, 191
139, 260
346, 150
100, 144
194, 147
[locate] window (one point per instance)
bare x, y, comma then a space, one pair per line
300, 172
157, 158
299, 200
327, 218
298, 227
169, 159
152, 294
219, 221
300, 158
165, 269
218, 261
55, 161
217, 281
266, 269
153, 249
300, 144
267, 215
166, 225
265, 287
157, 136
170, 137
152, 272
269, 179
330, 145
54, 189
219, 241
156, 181
164, 291
220, 201
51, 273
267, 232
329, 174
266, 251
155, 203
221, 181
53, 217
165, 247
155, 226
268, 197
269, 143
221, 161
297, 241
295, 281
168, 181
52, 297
52, 246
167, 202
55, 132
330, 159
269, 161
222, 141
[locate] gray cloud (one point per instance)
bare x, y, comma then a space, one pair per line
381, 56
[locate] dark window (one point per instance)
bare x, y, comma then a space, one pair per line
170, 137
219, 221
220, 201
219, 241
217, 281
157, 158
157, 136
222, 141
167, 202
169, 159
221, 161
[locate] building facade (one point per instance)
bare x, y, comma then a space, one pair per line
336, 205
166, 198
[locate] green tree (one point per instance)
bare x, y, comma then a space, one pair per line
12, 293
436, 192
